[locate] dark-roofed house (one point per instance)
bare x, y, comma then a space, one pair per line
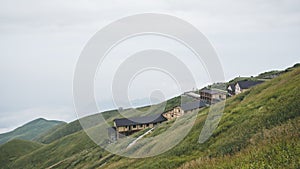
184, 108
127, 126
211, 96
241, 86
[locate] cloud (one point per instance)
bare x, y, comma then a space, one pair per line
40, 42
239, 16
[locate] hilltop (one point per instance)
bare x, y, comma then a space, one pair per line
259, 129
30, 131
265, 76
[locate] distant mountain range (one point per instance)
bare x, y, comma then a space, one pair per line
30, 131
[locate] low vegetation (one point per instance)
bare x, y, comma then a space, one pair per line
14, 149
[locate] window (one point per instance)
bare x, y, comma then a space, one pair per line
141, 125
147, 125
134, 126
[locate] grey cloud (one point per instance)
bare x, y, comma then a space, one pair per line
40, 42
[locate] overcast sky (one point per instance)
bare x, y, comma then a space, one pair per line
40, 42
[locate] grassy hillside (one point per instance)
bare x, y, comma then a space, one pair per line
63, 130
59, 131
13, 149
259, 129
278, 147
30, 130
66, 152
272, 106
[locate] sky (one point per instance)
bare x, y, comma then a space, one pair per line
40, 42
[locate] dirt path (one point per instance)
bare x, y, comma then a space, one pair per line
132, 143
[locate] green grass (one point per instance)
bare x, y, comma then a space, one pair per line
59, 132
69, 151
278, 147
12, 150
73, 127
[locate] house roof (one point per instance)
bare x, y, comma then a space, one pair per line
212, 91
139, 120
192, 105
247, 84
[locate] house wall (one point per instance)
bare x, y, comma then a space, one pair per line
238, 89
230, 91
123, 128
134, 128
205, 97
222, 96
209, 97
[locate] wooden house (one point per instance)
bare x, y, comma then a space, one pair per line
174, 113
184, 108
241, 86
127, 126
211, 96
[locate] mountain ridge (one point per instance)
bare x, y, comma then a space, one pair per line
30, 130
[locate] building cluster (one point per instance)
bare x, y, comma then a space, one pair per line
127, 126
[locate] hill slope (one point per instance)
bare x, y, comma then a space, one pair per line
73, 127
59, 131
259, 129
30, 130
13, 149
